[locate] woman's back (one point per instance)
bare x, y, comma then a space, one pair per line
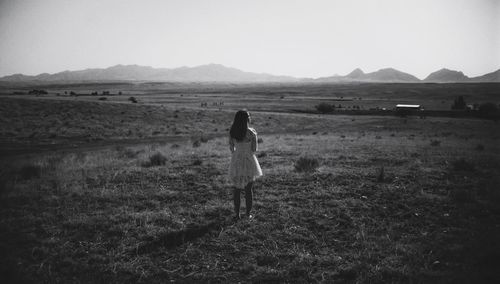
247, 144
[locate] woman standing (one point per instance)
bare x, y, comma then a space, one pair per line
244, 167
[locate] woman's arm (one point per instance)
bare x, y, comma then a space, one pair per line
254, 141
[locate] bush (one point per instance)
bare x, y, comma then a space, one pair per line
157, 159
127, 152
325, 107
435, 142
479, 147
196, 143
132, 99
305, 164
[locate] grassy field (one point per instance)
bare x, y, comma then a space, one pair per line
272, 97
389, 200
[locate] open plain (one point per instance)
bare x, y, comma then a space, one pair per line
126, 182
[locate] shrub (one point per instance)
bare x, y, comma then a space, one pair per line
305, 164
132, 99
197, 162
480, 147
435, 142
157, 159
102, 98
196, 143
260, 140
129, 153
325, 107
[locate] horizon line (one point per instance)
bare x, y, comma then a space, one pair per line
237, 68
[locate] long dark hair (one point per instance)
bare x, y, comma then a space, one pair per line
240, 124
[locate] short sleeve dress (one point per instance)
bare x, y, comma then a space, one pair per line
244, 166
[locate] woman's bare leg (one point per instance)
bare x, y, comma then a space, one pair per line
237, 201
249, 197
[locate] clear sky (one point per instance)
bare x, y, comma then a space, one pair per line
303, 38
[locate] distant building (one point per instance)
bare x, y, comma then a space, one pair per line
409, 107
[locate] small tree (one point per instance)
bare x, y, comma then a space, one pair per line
325, 107
459, 103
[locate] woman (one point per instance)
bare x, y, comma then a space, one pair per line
244, 167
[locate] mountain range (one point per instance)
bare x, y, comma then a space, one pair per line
220, 73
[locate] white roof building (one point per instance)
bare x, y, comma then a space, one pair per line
408, 106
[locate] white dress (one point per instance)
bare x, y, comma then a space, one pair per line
244, 166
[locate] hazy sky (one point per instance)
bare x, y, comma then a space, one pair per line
305, 38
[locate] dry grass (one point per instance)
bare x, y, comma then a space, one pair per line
100, 216
382, 205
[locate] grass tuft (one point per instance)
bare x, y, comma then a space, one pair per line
197, 162
306, 164
196, 143
158, 159
435, 142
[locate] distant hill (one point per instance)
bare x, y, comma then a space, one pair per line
446, 76
203, 73
390, 75
355, 74
220, 73
387, 75
490, 77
